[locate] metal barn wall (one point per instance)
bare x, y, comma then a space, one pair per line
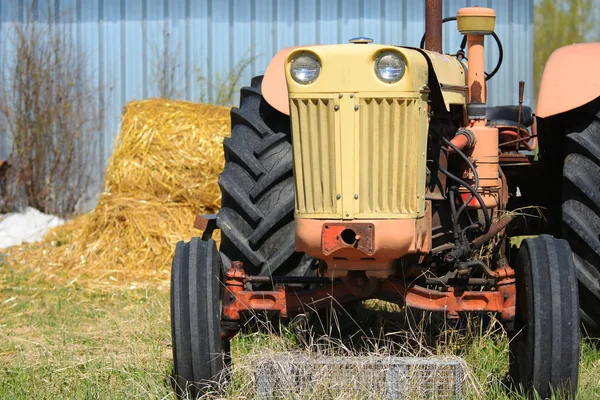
126, 41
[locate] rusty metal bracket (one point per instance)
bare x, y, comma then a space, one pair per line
358, 235
207, 223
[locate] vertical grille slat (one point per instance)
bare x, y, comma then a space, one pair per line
406, 158
315, 157
394, 127
386, 132
303, 122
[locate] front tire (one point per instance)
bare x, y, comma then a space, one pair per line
544, 348
200, 355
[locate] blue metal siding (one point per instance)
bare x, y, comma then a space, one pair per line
125, 40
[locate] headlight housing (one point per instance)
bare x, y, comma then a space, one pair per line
389, 67
305, 68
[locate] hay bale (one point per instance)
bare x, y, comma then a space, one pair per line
161, 174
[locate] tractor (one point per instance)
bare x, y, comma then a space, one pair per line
365, 171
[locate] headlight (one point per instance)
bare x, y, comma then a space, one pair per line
305, 68
389, 67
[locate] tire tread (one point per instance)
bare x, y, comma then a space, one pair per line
257, 213
581, 208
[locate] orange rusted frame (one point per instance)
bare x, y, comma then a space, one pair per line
288, 302
451, 301
285, 302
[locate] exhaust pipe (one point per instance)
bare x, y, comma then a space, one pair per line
433, 25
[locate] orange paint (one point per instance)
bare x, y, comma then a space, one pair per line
459, 141
476, 74
381, 242
274, 87
570, 79
290, 302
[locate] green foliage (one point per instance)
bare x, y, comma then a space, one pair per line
559, 23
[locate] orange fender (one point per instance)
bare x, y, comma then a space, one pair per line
570, 79
274, 85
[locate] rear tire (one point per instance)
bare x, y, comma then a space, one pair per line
200, 355
257, 185
544, 349
581, 207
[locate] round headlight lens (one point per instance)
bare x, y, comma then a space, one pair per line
305, 68
389, 67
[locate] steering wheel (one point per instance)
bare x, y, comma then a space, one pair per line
464, 44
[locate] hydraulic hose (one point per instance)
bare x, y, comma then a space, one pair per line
454, 213
475, 178
462, 47
486, 214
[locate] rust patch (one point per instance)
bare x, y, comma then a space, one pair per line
476, 92
201, 222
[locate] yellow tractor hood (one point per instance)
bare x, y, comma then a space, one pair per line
351, 68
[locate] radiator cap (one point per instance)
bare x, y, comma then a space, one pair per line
361, 40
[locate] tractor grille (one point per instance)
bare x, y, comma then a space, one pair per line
315, 158
360, 162
388, 143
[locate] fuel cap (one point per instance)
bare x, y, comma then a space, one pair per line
361, 40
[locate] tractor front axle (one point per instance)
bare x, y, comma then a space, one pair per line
287, 301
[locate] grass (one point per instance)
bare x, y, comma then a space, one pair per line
74, 341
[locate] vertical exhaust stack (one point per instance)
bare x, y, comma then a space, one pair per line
476, 22
433, 25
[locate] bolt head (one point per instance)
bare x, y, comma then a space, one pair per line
356, 195
356, 107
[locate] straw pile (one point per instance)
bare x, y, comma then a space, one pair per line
161, 174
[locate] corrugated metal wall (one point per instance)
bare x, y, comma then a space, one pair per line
126, 41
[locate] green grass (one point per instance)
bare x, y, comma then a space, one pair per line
69, 342
79, 343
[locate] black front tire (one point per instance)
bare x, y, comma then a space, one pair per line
200, 355
544, 347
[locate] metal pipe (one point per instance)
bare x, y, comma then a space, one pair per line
494, 229
433, 25
310, 280
476, 74
521, 91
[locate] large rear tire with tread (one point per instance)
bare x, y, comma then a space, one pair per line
257, 185
581, 206
200, 355
544, 349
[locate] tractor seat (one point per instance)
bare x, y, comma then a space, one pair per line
509, 115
